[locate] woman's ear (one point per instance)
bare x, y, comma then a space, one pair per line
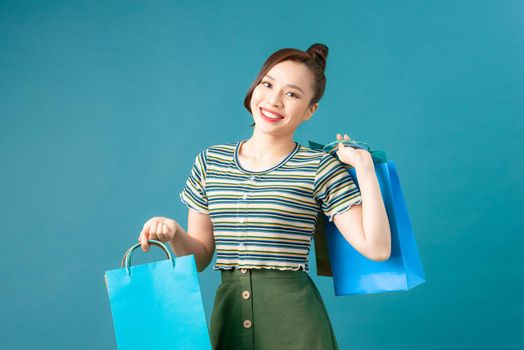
311, 111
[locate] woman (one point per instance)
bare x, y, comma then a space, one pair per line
256, 202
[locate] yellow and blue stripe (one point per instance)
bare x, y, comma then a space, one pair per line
266, 219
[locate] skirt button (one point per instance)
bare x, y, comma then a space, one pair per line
243, 270
247, 324
246, 294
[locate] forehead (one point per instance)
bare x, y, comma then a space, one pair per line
291, 72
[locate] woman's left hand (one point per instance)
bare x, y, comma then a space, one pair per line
360, 159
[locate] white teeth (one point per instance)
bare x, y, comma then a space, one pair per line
270, 115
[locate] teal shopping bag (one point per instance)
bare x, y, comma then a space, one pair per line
157, 305
352, 272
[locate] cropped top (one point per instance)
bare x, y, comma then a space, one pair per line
266, 219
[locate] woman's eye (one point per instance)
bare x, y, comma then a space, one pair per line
268, 85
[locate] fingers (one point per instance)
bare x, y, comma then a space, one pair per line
155, 228
158, 228
143, 238
346, 137
148, 232
152, 230
159, 233
165, 231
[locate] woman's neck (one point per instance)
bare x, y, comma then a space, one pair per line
265, 149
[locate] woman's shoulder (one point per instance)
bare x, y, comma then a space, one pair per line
221, 147
311, 153
227, 148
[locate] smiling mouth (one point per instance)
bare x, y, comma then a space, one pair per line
270, 115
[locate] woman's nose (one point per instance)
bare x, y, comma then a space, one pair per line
274, 99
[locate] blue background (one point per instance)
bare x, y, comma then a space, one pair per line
104, 106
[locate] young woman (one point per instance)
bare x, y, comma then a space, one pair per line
256, 202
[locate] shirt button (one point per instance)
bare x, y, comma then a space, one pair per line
244, 196
247, 324
246, 294
241, 220
252, 177
243, 270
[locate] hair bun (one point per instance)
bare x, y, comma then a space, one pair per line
319, 52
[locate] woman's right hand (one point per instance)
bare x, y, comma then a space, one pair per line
157, 228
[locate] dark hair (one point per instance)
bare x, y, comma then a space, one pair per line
314, 58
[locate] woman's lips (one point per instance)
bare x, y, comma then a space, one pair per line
269, 119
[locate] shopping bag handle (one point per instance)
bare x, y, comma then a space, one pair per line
351, 143
378, 156
126, 259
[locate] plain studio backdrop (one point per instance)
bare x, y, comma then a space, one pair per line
105, 104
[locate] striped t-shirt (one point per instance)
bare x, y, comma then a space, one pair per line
266, 219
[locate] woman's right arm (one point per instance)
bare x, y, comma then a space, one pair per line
198, 240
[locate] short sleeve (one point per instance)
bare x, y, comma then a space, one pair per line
334, 188
194, 193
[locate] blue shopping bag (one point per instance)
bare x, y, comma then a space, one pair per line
157, 305
352, 272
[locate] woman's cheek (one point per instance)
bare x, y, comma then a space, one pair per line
258, 95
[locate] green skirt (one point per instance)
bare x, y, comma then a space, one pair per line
267, 309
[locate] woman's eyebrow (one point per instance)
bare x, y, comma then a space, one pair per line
290, 85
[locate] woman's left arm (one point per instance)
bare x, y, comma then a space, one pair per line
365, 226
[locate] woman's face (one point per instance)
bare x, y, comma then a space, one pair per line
284, 92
